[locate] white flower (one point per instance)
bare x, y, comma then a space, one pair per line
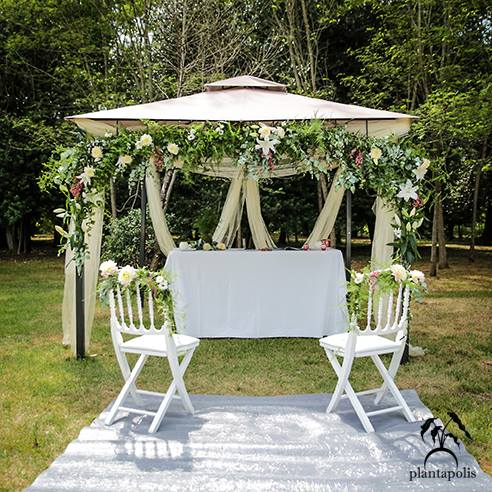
399, 272
183, 245
173, 148
220, 129
191, 135
397, 232
266, 146
417, 276
280, 132
89, 172
397, 220
206, 247
265, 132
126, 275
408, 191
376, 154
145, 141
359, 278
108, 268
97, 152
125, 159
221, 246
162, 283
422, 169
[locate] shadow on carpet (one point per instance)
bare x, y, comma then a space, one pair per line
283, 443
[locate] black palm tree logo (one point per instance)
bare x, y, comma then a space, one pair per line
440, 434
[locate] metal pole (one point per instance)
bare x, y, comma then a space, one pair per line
143, 209
79, 313
348, 240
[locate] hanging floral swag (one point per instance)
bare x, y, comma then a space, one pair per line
381, 283
391, 170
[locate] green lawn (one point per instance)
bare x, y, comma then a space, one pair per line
46, 397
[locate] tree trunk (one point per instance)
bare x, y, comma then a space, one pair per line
433, 258
112, 195
10, 234
169, 190
475, 200
441, 236
471, 254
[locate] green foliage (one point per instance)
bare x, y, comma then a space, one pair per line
83, 172
121, 242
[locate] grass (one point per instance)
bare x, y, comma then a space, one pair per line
46, 396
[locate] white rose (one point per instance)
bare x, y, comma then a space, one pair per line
206, 247
125, 159
376, 154
417, 276
126, 275
145, 141
97, 152
108, 268
399, 272
221, 246
359, 278
184, 245
173, 148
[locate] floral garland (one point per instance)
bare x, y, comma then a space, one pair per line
380, 283
83, 172
128, 278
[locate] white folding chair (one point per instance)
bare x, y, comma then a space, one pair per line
147, 342
372, 342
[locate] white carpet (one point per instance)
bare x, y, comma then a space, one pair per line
256, 444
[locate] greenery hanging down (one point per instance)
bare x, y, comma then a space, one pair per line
394, 172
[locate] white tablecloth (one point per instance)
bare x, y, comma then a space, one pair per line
256, 294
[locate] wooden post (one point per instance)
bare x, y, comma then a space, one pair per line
79, 313
348, 240
143, 208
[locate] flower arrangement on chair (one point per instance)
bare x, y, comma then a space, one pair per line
128, 278
381, 283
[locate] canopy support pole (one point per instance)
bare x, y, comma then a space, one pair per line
348, 240
143, 210
79, 313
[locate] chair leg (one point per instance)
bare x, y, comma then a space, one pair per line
130, 382
392, 370
357, 406
125, 371
177, 371
343, 374
393, 388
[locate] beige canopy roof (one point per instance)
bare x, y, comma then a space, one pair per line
246, 98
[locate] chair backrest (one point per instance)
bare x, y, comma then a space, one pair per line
386, 314
131, 312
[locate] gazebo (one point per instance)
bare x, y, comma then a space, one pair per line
241, 99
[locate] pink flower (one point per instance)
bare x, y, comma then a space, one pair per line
417, 202
358, 156
306, 247
373, 279
77, 188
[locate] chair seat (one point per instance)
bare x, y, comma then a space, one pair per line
364, 345
156, 344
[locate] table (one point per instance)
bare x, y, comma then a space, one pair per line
258, 294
